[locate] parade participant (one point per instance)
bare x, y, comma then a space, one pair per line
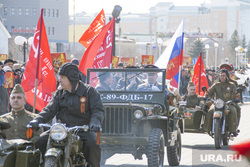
4, 98
105, 81
193, 100
75, 61
132, 81
224, 90
151, 83
18, 118
10, 63
67, 105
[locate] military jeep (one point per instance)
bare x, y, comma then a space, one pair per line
137, 121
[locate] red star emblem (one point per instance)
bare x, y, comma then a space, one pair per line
188, 115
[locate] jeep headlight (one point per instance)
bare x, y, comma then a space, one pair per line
138, 114
219, 103
58, 132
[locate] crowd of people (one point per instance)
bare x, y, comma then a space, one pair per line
72, 92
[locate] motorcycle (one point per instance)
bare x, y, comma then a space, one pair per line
194, 118
17, 152
220, 130
64, 147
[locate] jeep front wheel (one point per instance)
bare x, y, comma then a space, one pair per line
174, 152
156, 145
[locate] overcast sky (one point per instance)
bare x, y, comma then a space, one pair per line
133, 6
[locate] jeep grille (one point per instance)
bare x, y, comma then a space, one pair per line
117, 120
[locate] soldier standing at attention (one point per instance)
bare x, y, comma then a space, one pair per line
18, 118
224, 90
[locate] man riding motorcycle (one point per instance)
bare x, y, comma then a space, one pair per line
225, 90
76, 104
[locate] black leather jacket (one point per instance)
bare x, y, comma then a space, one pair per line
67, 107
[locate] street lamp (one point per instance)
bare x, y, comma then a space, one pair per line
115, 13
215, 56
207, 47
22, 42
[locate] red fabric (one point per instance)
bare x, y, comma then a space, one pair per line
99, 53
46, 76
199, 76
242, 149
93, 30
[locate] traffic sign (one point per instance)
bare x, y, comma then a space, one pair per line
244, 60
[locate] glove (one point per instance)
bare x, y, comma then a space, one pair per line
34, 124
94, 128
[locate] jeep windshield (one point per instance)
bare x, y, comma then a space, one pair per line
129, 85
127, 80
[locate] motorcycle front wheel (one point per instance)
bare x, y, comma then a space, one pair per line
217, 133
51, 162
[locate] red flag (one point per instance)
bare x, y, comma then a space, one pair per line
93, 30
99, 53
45, 73
199, 76
242, 149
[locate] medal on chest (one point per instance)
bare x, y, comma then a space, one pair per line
228, 89
83, 101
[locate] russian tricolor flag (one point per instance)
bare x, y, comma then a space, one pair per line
172, 57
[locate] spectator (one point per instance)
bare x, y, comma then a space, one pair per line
75, 61
4, 97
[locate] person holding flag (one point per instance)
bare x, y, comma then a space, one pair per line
76, 104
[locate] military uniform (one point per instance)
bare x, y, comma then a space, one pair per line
226, 92
192, 101
147, 86
121, 84
18, 121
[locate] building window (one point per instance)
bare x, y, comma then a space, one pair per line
48, 12
57, 13
19, 11
48, 31
53, 31
44, 12
5, 11
34, 11
27, 11
12, 12
53, 13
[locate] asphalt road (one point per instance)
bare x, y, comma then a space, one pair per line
198, 149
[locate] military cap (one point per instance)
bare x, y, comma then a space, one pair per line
9, 61
190, 84
75, 61
150, 66
120, 65
226, 66
18, 89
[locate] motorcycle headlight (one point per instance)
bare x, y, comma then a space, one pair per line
58, 132
219, 103
138, 114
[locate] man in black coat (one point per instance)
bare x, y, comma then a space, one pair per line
66, 106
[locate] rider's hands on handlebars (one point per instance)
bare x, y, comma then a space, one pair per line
34, 125
94, 128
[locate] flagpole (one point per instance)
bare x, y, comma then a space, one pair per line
38, 57
200, 75
181, 57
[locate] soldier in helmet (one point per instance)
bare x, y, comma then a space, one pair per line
18, 118
224, 90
